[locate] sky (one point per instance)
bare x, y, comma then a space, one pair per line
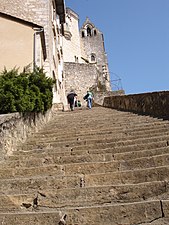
136, 36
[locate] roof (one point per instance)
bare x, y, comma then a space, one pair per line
19, 20
30, 24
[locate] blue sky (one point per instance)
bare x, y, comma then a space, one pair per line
136, 34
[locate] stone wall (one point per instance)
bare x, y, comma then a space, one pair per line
80, 77
36, 12
29, 10
154, 104
16, 128
71, 45
95, 44
99, 96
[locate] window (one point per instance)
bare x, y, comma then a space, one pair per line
95, 32
89, 32
83, 34
76, 59
93, 57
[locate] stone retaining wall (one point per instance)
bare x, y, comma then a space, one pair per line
99, 96
15, 128
154, 104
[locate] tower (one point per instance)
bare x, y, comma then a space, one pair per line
85, 60
92, 40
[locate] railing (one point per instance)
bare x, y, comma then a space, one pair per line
116, 82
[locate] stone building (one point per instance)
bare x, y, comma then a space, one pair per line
85, 60
20, 43
73, 58
49, 17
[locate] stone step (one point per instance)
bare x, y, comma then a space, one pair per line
101, 135
145, 162
31, 171
85, 196
74, 166
37, 183
133, 213
38, 159
90, 149
47, 159
140, 154
128, 177
95, 142
98, 112
72, 180
30, 218
97, 167
75, 130
59, 170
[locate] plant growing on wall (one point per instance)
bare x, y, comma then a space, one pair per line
25, 92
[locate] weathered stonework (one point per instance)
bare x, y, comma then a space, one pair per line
44, 13
154, 104
85, 60
15, 128
80, 77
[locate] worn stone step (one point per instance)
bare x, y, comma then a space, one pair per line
114, 128
100, 160
31, 171
59, 170
34, 183
90, 149
47, 159
53, 158
109, 171
140, 154
30, 218
85, 196
99, 112
95, 142
122, 133
90, 179
145, 162
128, 177
86, 167
133, 213
88, 137
97, 119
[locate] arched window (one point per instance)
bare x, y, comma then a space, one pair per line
89, 32
83, 34
76, 59
93, 57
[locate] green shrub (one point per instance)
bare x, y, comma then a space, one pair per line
25, 92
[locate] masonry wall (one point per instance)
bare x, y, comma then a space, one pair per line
95, 44
14, 46
72, 46
80, 77
15, 128
41, 12
154, 104
29, 10
36, 12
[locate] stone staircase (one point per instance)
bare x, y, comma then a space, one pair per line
89, 167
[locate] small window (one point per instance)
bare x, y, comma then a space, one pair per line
95, 32
83, 34
93, 58
76, 59
89, 32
